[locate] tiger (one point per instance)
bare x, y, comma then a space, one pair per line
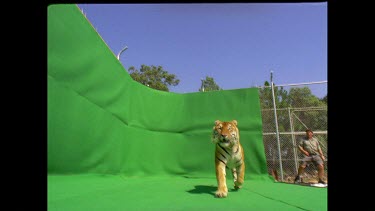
228, 154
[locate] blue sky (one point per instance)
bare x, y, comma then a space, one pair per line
237, 44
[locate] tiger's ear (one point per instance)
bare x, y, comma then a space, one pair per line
234, 122
217, 122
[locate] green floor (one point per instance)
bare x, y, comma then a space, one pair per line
114, 192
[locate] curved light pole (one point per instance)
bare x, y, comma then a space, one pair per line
118, 55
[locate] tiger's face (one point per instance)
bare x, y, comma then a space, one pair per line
225, 133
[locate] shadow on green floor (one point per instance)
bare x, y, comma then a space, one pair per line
203, 189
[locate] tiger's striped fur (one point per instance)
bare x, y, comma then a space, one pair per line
228, 154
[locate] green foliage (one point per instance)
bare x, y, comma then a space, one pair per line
296, 97
302, 97
154, 77
305, 109
325, 99
281, 96
209, 84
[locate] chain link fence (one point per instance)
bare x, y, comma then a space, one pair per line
286, 114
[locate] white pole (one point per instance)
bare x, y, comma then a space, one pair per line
293, 140
277, 128
202, 85
118, 55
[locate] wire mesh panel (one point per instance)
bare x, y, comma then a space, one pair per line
298, 107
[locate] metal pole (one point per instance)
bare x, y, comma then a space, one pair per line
293, 140
118, 55
202, 85
277, 129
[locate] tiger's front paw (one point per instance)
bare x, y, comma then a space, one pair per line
221, 193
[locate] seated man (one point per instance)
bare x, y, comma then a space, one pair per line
312, 152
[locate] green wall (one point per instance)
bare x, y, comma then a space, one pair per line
101, 121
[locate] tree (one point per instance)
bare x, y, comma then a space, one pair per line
209, 84
265, 95
325, 99
303, 98
296, 98
154, 77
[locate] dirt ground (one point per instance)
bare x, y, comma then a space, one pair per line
306, 177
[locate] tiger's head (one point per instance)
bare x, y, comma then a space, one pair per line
225, 133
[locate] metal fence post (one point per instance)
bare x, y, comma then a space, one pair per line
293, 140
277, 128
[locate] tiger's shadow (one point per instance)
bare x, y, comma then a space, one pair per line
205, 189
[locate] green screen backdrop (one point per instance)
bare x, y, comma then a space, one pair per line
102, 121
114, 144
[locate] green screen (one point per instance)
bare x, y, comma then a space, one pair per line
108, 133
